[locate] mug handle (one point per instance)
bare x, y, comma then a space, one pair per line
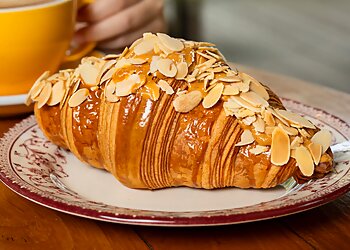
79, 52
84, 49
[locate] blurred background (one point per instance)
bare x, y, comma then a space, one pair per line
309, 39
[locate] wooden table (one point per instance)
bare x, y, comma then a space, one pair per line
26, 225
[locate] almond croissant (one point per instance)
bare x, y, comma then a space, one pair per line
169, 112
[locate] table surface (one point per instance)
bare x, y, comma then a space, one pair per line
24, 224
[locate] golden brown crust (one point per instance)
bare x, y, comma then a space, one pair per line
145, 142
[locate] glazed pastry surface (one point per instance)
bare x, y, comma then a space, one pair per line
204, 126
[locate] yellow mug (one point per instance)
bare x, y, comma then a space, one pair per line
33, 39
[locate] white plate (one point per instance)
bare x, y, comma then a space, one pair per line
40, 171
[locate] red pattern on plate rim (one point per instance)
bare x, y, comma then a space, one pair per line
94, 210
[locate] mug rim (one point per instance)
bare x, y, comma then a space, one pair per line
33, 6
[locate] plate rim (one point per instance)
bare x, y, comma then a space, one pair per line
210, 220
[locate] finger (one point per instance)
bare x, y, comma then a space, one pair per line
156, 25
129, 19
101, 9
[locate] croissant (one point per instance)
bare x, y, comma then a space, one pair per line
168, 112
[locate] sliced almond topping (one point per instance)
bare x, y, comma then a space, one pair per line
166, 67
65, 96
101, 70
233, 78
230, 72
205, 44
159, 47
268, 118
258, 149
304, 161
109, 92
316, 152
210, 76
254, 85
213, 82
44, 95
245, 77
231, 90
137, 61
280, 147
194, 72
52, 77
57, 93
69, 81
205, 83
164, 85
304, 133
28, 100
205, 65
111, 56
289, 130
249, 120
156, 48
228, 110
269, 130
133, 45
204, 55
43, 76
190, 79
186, 102
259, 89
292, 153
218, 69
207, 48
213, 54
170, 42
144, 47
254, 99
38, 84
109, 64
181, 92
243, 112
78, 97
245, 104
140, 80
153, 65
231, 107
182, 70
244, 86
149, 36
259, 125
246, 138
296, 142
76, 86
324, 138
277, 115
295, 119
126, 50
213, 96
121, 63
203, 75
108, 76
89, 74
125, 87
36, 89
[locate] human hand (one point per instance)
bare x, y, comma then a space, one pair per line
117, 23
